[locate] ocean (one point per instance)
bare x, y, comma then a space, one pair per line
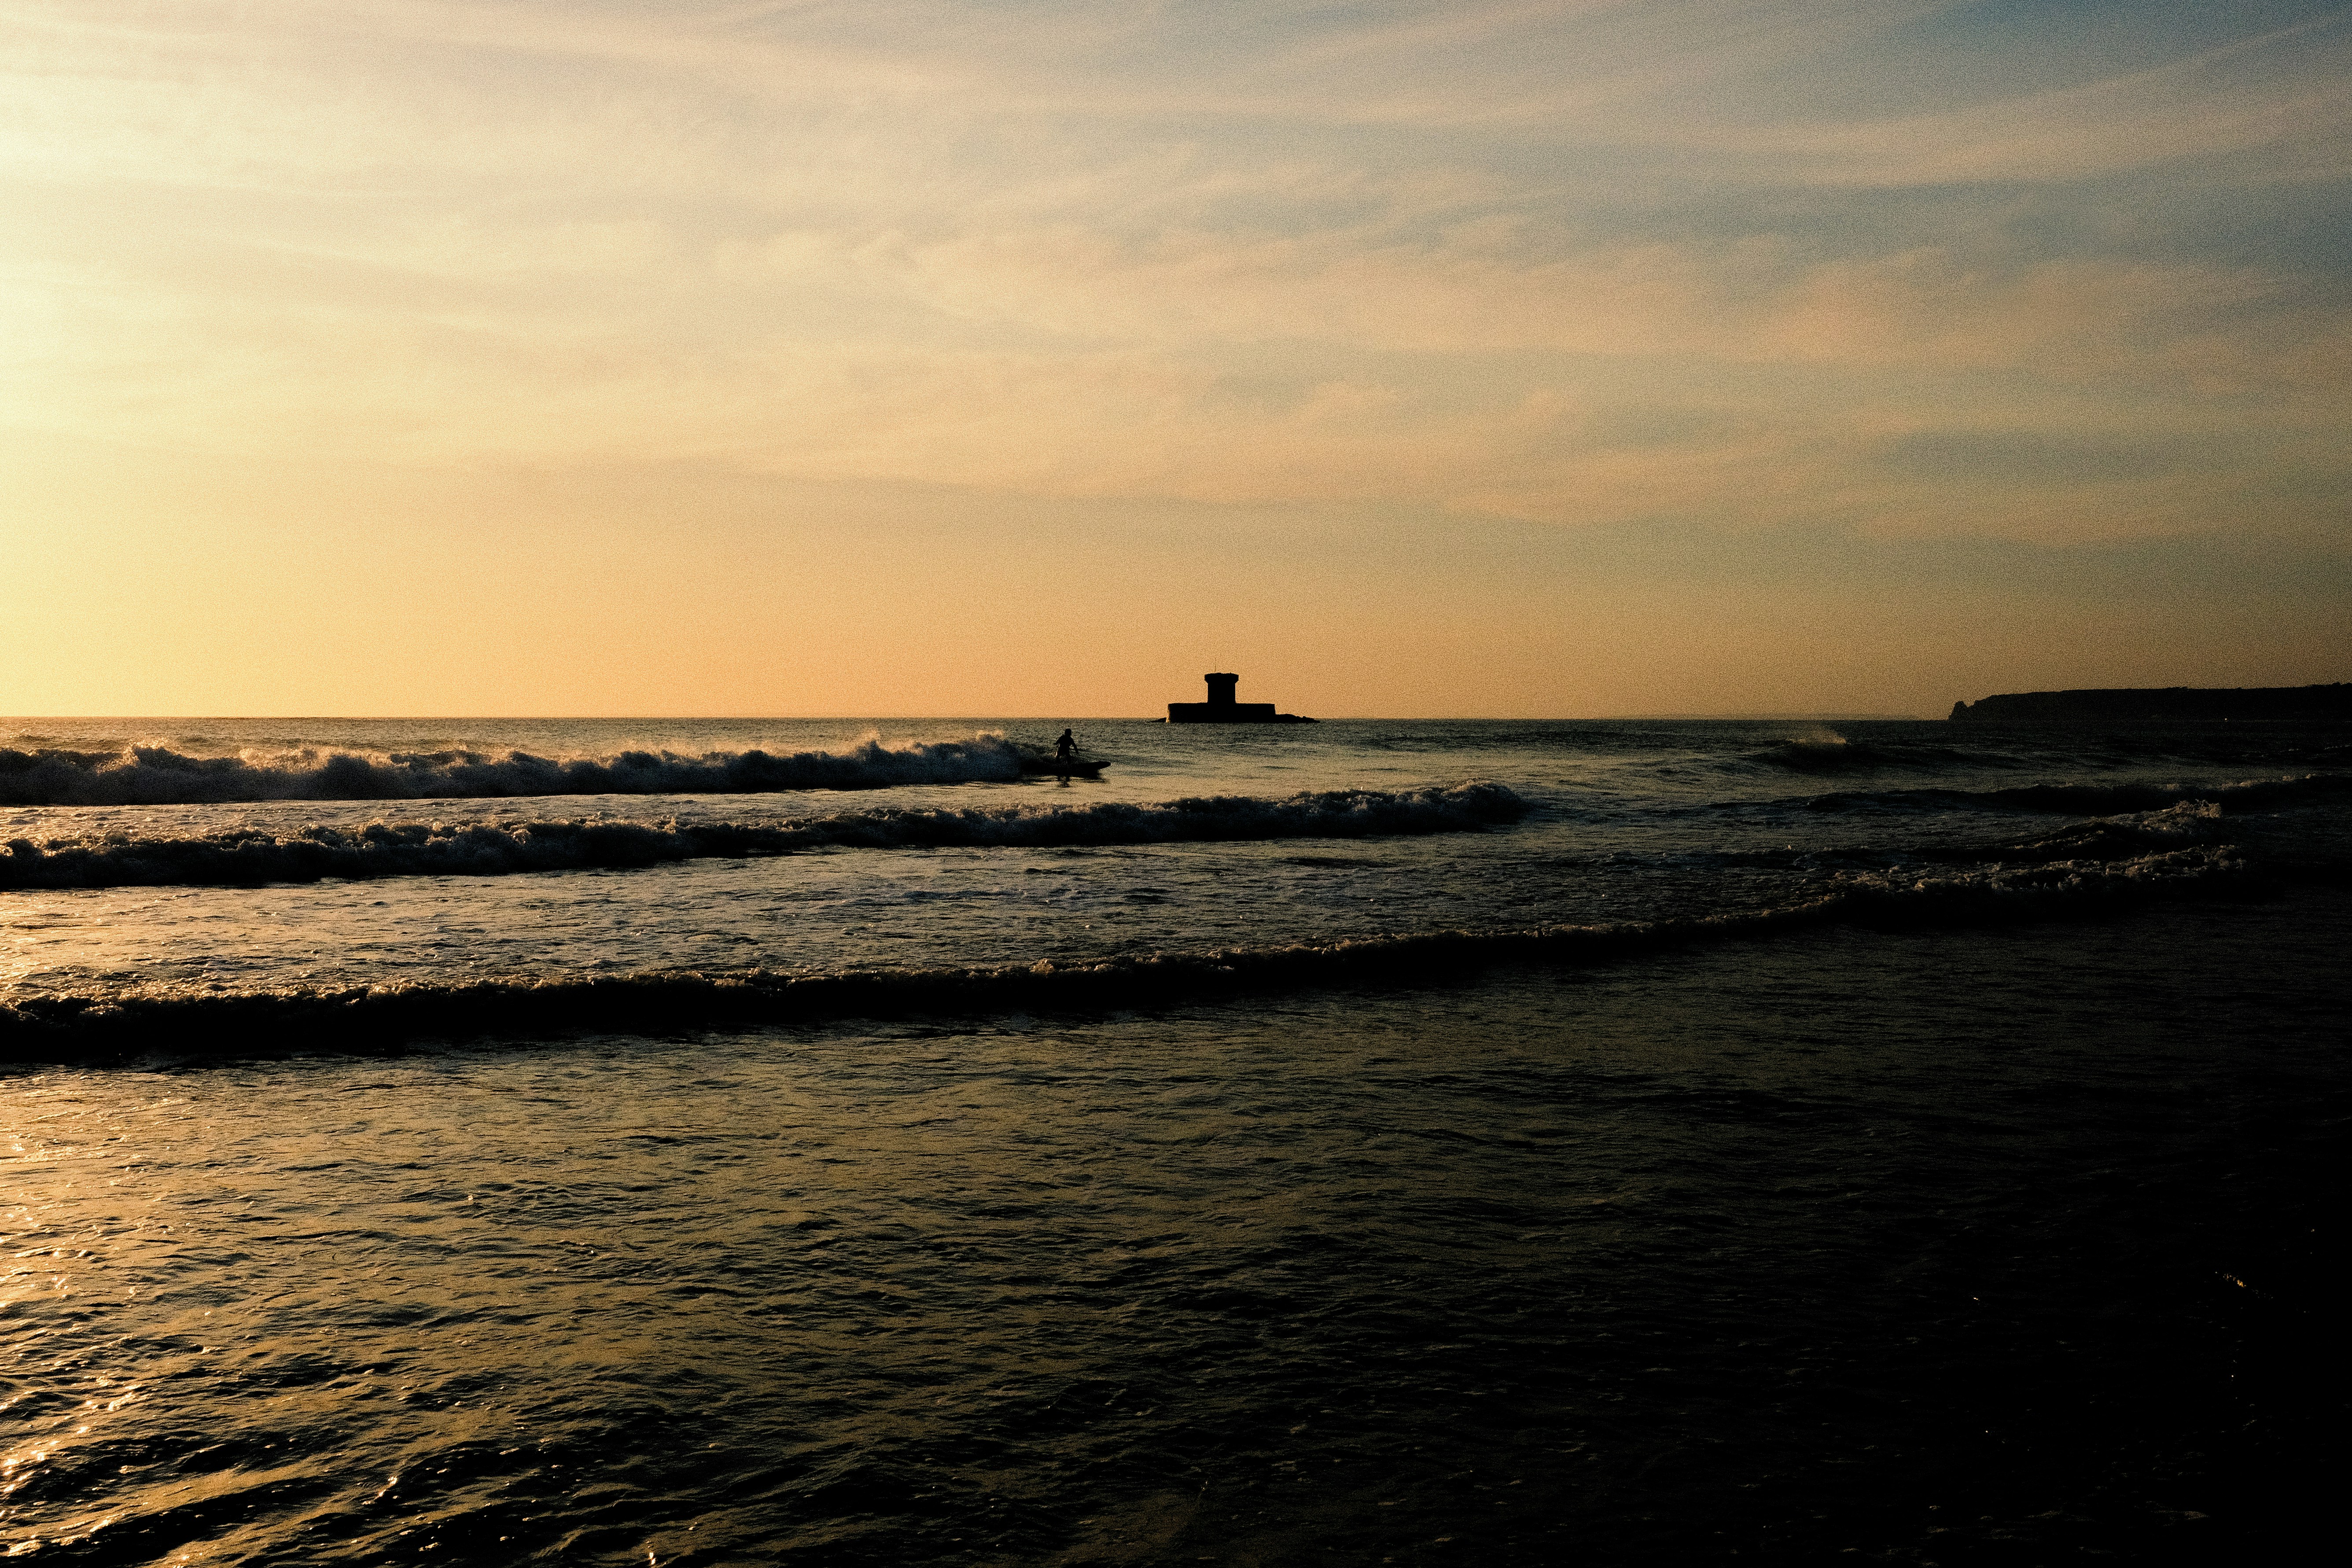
748, 1141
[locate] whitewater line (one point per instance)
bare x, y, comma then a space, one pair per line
156, 775
252, 855
209, 1022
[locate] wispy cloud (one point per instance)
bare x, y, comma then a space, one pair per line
2285, 95
1568, 262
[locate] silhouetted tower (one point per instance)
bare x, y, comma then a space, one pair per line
1221, 707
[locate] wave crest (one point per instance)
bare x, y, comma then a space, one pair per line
2113, 837
250, 856
2086, 800
212, 1022
156, 775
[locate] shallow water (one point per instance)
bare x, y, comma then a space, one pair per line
1621, 822
1974, 1231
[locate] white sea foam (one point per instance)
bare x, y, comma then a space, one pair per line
2084, 799
249, 855
2169, 828
187, 1020
156, 775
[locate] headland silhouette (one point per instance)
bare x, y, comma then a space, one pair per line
2123, 704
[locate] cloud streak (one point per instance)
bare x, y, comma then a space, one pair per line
1568, 263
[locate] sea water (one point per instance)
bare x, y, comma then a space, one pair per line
853, 1143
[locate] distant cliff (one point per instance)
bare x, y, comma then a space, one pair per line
2126, 703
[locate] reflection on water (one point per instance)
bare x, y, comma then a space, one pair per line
1916, 1245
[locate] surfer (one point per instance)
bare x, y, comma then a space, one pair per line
1064, 750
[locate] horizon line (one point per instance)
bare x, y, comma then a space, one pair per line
946, 717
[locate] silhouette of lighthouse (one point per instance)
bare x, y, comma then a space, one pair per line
1221, 707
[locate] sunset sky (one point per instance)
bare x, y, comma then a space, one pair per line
1036, 356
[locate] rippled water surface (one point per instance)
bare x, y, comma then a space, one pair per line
1621, 822
1936, 1162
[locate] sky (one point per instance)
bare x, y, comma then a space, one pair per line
1033, 357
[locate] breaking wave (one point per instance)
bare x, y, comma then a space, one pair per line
249, 855
211, 1022
2190, 823
155, 775
2110, 837
2083, 800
